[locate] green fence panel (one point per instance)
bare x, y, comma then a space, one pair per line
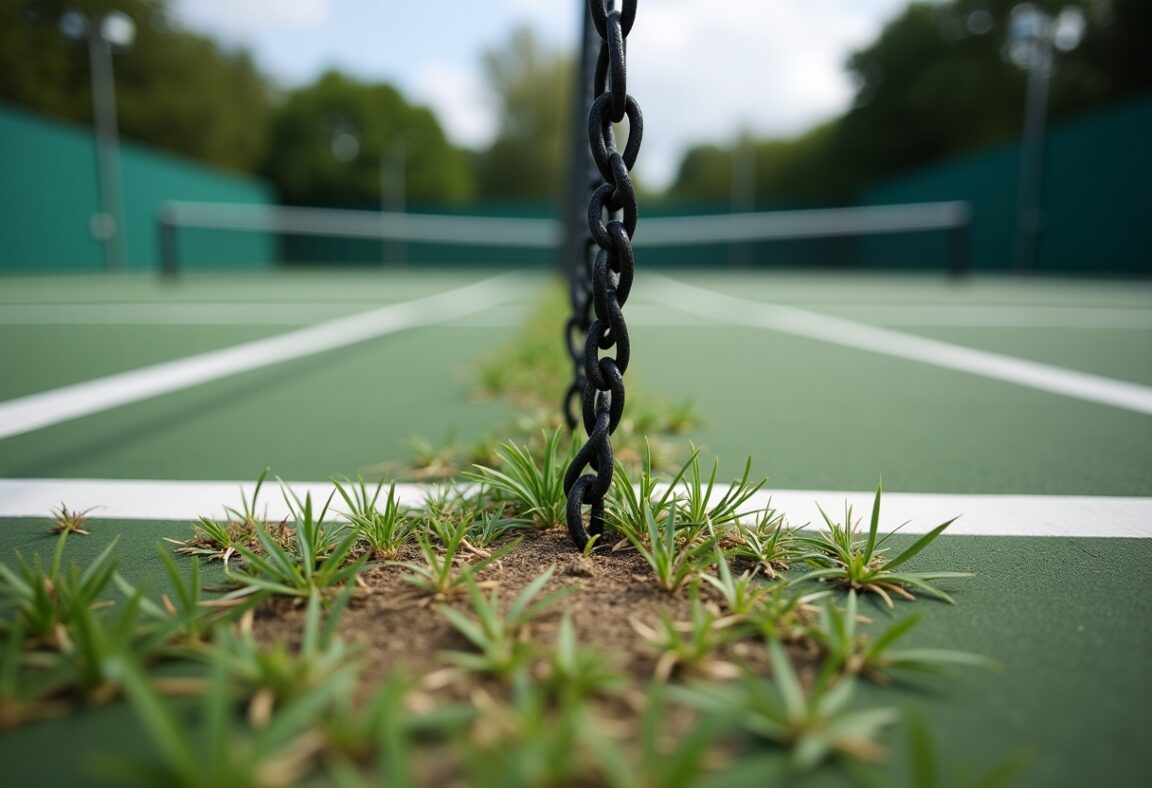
1096, 197
49, 192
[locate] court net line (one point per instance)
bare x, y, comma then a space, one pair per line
663, 231
36, 411
979, 514
850, 333
300, 313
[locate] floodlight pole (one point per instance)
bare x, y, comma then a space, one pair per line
109, 226
1029, 212
394, 194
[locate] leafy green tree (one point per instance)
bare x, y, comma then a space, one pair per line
175, 90
534, 84
938, 80
341, 141
705, 173
935, 83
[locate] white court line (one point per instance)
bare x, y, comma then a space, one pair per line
180, 314
35, 411
851, 333
954, 316
980, 515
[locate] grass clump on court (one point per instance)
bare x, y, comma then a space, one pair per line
861, 564
464, 641
530, 371
69, 521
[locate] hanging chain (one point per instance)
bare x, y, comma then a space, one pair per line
610, 278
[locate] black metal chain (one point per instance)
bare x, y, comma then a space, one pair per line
608, 278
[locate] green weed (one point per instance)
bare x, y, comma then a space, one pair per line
534, 490
385, 530
850, 651
812, 726
47, 599
862, 565
674, 559
501, 638
690, 645
318, 565
443, 572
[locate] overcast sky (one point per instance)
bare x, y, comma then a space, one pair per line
701, 71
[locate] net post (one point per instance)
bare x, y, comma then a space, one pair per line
169, 250
571, 253
959, 242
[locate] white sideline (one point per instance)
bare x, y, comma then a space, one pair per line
996, 316
851, 333
979, 515
178, 314
34, 411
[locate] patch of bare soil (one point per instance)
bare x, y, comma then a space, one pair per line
398, 628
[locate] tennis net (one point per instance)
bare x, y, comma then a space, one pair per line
923, 235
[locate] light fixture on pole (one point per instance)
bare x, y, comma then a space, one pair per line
1032, 37
115, 29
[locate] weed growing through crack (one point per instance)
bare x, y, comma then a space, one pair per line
742, 594
490, 527
675, 558
374, 741
385, 531
186, 618
218, 541
500, 637
317, 564
861, 564
69, 521
848, 650
27, 695
534, 490
768, 542
696, 505
627, 506
48, 598
443, 571
690, 645
574, 672
812, 725
530, 740
278, 673
214, 748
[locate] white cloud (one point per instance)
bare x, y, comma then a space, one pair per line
701, 71
772, 67
245, 17
462, 102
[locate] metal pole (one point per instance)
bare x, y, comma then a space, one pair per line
743, 193
109, 225
1029, 212
394, 194
169, 249
573, 251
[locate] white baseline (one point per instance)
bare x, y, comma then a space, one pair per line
979, 515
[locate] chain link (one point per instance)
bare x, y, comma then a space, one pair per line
603, 283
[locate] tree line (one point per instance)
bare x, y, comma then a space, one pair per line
938, 81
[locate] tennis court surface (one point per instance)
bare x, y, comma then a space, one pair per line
1022, 405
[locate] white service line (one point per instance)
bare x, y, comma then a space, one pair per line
851, 333
973, 316
177, 314
979, 515
35, 411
